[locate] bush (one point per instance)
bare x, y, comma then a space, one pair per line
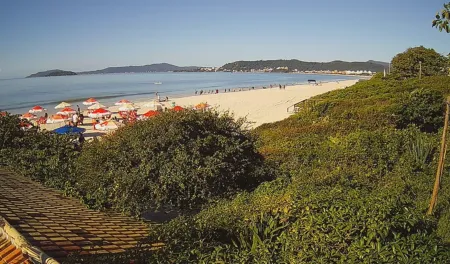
175, 160
42, 156
424, 108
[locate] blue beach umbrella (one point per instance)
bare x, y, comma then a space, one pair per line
69, 130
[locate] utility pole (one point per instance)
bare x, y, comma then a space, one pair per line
389, 72
440, 167
420, 70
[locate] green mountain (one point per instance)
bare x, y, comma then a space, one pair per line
159, 67
51, 73
304, 65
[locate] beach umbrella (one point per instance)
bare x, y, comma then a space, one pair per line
66, 111
99, 113
178, 108
62, 105
28, 116
96, 106
128, 107
150, 113
108, 125
90, 101
3, 113
36, 109
123, 101
57, 119
69, 130
201, 106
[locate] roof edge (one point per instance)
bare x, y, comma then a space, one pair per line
34, 253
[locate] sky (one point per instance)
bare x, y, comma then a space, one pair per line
89, 35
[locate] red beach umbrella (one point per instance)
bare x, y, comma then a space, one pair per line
123, 101
36, 109
66, 111
151, 113
90, 101
99, 113
178, 108
28, 116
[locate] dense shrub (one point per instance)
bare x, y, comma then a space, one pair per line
424, 108
42, 156
175, 160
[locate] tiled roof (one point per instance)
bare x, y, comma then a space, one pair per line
59, 225
9, 253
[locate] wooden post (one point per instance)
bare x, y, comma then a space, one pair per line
440, 167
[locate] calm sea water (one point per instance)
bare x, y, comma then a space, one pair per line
19, 95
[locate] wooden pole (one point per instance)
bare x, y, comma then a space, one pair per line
420, 70
440, 167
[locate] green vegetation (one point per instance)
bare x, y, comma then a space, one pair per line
408, 63
41, 156
175, 160
442, 19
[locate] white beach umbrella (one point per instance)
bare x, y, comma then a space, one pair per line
62, 105
96, 106
108, 125
153, 105
128, 107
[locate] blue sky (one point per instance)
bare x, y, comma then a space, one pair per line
88, 35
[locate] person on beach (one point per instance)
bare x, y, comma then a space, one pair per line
167, 98
81, 119
81, 139
195, 92
78, 109
217, 91
75, 120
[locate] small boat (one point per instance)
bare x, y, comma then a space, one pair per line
158, 82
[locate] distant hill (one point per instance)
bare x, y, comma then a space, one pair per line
52, 73
304, 65
160, 67
384, 64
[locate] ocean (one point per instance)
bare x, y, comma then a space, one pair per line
19, 95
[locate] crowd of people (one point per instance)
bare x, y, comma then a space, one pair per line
216, 91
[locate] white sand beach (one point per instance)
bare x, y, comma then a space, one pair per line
258, 106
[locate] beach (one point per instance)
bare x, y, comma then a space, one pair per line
258, 106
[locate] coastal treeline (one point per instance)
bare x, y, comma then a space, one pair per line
291, 65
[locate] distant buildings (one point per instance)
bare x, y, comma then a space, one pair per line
286, 69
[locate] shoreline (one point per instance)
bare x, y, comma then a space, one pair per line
259, 106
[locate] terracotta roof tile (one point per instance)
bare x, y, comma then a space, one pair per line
10, 253
59, 225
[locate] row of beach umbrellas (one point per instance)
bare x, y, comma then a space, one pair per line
98, 110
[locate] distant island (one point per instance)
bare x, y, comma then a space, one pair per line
287, 66
52, 73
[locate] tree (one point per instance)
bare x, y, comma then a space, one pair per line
407, 64
176, 160
442, 19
